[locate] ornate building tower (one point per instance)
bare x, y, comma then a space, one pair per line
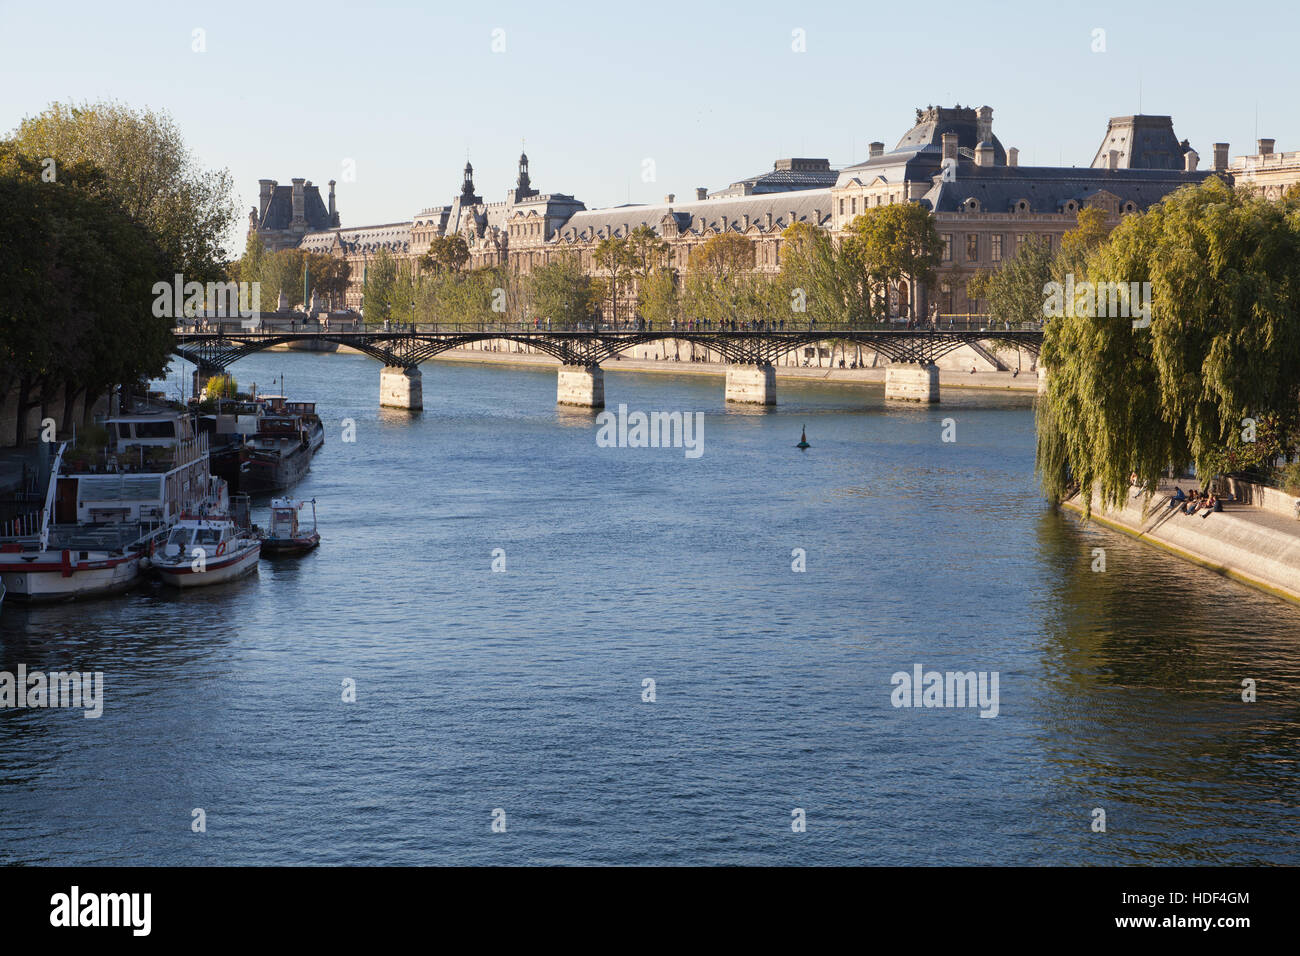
467, 197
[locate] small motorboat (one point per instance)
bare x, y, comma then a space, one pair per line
207, 549
286, 535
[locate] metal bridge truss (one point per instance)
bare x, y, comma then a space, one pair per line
215, 351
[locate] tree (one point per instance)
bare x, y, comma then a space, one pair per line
659, 300
726, 254
611, 254
1015, 291
447, 254
561, 293
821, 282
379, 279
1223, 345
148, 171
895, 243
76, 279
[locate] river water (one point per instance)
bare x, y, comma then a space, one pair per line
523, 691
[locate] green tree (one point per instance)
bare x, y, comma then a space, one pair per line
378, 281
894, 244
1223, 344
561, 293
147, 170
1015, 292
612, 255
77, 276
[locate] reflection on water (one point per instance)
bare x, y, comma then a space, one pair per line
523, 690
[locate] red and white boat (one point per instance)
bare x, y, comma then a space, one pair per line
207, 549
88, 532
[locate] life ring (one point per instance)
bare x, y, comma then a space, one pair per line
221, 549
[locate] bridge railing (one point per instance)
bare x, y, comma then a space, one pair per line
967, 322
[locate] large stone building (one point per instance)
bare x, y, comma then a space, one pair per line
984, 201
1267, 173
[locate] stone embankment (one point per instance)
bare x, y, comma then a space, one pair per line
1257, 545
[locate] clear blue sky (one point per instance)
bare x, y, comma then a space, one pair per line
710, 92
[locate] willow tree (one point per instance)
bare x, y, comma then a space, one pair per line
1222, 346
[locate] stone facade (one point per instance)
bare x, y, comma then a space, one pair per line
1269, 174
985, 204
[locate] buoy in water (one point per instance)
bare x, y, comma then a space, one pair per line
803, 438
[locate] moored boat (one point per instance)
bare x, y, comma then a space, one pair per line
89, 533
286, 534
206, 549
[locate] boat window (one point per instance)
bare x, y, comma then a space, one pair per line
208, 536
179, 536
155, 429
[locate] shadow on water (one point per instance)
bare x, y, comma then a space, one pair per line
1142, 702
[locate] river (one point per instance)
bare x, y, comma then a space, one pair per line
523, 691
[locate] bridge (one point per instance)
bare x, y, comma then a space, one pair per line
750, 356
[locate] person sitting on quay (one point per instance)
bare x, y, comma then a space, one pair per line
1194, 503
1177, 498
1213, 503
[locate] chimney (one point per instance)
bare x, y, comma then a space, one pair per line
794, 217
701, 192
984, 155
669, 198
724, 223
1013, 157
298, 202
984, 124
875, 149
1266, 147
949, 147
746, 222
817, 217
769, 221
1220, 157
1190, 160
334, 216
1112, 159
264, 190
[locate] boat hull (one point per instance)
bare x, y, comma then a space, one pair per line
49, 579
216, 570
264, 474
274, 547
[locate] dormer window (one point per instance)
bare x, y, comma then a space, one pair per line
1022, 206
972, 204
1071, 206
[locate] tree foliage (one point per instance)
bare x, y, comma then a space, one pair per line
148, 171
1223, 345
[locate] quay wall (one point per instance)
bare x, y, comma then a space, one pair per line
1257, 548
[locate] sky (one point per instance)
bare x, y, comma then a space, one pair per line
627, 102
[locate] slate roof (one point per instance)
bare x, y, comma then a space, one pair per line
1048, 188
279, 211
363, 240
702, 213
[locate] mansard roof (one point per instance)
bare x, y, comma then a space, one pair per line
1047, 189
279, 211
807, 205
786, 175
363, 240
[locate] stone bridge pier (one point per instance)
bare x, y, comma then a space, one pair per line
581, 385
751, 384
401, 388
912, 382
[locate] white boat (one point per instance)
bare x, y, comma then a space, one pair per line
88, 532
206, 549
